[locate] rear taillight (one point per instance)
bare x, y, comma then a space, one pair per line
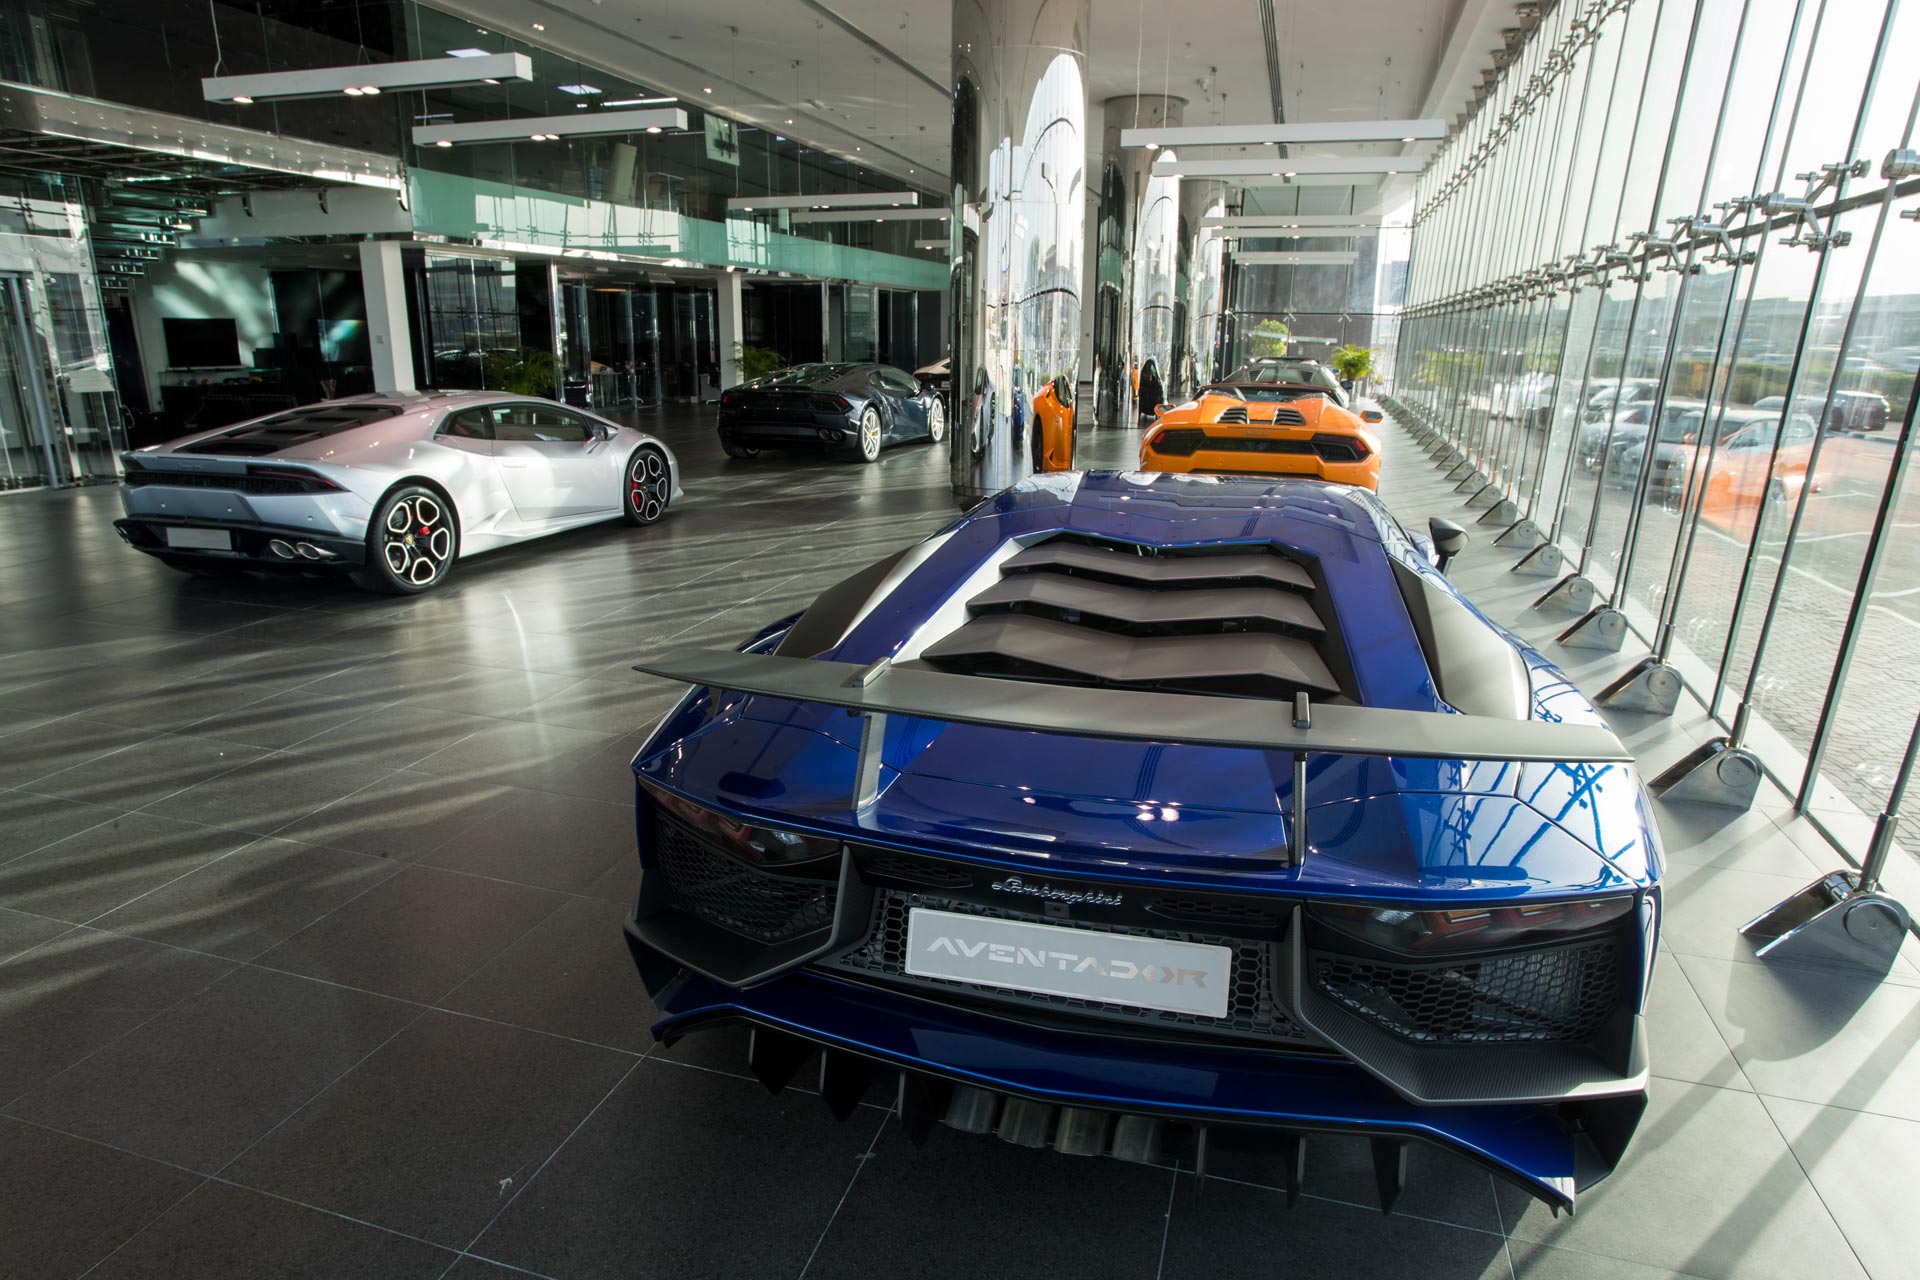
1470, 928
726, 399
828, 404
307, 481
1177, 442
1335, 448
767, 846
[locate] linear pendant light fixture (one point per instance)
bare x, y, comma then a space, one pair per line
872, 215
1303, 233
1279, 258
1291, 220
853, 200
367, 80
1285, 166
585, 124
1249, 135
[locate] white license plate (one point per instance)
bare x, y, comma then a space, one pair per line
1145, 973
200, 539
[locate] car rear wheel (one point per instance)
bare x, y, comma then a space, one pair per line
737, 450
868, 441
411, 543
937, 421
649, 486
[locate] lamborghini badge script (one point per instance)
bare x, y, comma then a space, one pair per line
1066, 961
1095, 897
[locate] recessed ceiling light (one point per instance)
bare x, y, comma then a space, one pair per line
369, 89
1153, 146
580, 90
466, 53
746, 208
243, 100
653, 128
1276, 175
539, 26
706, 89
1287, 174
789, 120
443, 143
490, 80
638, 102
1406, 139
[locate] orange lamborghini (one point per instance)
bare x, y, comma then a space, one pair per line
1270, 418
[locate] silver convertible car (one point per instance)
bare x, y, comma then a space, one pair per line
391, 489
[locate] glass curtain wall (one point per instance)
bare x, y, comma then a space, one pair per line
1664, 293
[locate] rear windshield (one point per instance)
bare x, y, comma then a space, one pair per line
1309, 373
296, 427
809, 375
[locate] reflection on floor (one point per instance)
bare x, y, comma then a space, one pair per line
310, 957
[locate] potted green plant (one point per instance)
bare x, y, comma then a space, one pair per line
756, 362
1353, 365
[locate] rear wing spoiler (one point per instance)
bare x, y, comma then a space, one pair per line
1128, 715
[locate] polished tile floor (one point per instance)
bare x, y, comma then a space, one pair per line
310, 959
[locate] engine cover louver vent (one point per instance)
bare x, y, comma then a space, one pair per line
1237, 621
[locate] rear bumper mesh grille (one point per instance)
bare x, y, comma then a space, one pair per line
729, 893
1253, 1010
1545, 996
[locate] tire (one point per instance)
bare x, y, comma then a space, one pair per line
737, 450
937, 421
412, 542
866, 440
648, 486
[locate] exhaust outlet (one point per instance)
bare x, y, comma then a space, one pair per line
281, 548
971, 1110
1139, 1138
1025, 1123
310, 552
1082, 1132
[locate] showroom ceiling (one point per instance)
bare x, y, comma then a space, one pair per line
868, 78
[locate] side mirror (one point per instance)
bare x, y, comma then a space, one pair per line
1372, 415
1346, 384
1449, 540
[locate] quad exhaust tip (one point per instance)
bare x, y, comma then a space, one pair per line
281, 548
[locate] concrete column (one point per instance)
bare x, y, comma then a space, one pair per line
388, 335
1124, 178
1019, 191
727, 319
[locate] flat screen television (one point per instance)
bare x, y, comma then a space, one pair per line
202, 344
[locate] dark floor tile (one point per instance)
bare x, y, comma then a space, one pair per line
285, 719
507, 751
271, 792
545, 840
77, 992
1051, 1215
651, 1183
1543, 1262
571, 975
1707, 1187
619, 883
416, 935
199, 1083
21, 932
66, 1203
223, 1230
60, 744
432, 1134
148, 772
395, 734
89, 874
605, 706
471, 1268
251, 900
403, 815
30, 821
1225, 1231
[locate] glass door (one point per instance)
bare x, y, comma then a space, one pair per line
27, 456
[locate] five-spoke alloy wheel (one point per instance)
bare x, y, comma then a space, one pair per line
868, 440
412, 542
649, 486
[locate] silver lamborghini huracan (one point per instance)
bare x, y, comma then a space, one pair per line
391, 489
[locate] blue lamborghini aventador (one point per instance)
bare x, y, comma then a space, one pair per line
1141, 814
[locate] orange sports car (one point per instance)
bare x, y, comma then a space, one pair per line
1269, 418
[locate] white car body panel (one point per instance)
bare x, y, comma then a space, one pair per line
502, 492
